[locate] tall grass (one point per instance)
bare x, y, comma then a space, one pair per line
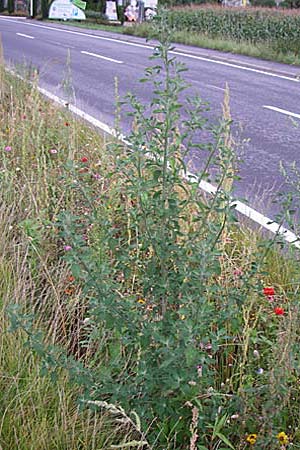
36, 139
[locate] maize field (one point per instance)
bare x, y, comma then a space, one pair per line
277, 29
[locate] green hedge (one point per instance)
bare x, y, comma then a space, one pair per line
275, 28
96, 16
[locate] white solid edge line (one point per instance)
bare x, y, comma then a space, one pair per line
178, 53
282, 111
215, 87
236, 66
97, 123
101, 57
251, 213
242, 208
25, 35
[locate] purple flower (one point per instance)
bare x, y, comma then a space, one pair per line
67, 248
7, 148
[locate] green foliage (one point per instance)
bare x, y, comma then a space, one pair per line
264, 3
121, 15
96, 16
290, 4
10, 6
96, 6
44, 9
277, 29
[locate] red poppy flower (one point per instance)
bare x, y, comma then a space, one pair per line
279, 311
71, 278
84, 159
269, 291
67, 124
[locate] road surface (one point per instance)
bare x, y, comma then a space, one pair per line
264, 96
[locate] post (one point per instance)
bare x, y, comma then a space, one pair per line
141, 11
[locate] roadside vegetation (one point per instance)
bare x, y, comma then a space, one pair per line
36, 141
266, 33
126, 291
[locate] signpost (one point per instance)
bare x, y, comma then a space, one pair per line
67, 9
111, 10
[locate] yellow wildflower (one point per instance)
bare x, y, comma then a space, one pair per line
251, 438
283, 438
141, 301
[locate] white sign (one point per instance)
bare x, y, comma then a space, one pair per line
111, 10
150, 4
64, 9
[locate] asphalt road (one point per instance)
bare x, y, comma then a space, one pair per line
263, 95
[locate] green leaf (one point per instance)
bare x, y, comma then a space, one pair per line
225, 440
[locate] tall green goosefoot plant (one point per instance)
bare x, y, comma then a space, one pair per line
171, 253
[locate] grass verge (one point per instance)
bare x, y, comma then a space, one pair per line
134, 291
36, 140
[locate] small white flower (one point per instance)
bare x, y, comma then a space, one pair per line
256, 353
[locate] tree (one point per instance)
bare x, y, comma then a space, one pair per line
45, 8
11, 6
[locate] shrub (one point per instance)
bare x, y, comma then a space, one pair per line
264, 3
96, 16
10, 6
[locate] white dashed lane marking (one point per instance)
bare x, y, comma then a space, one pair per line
282, 111
95, 55
25, 35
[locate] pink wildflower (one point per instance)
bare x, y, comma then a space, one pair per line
238, 272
